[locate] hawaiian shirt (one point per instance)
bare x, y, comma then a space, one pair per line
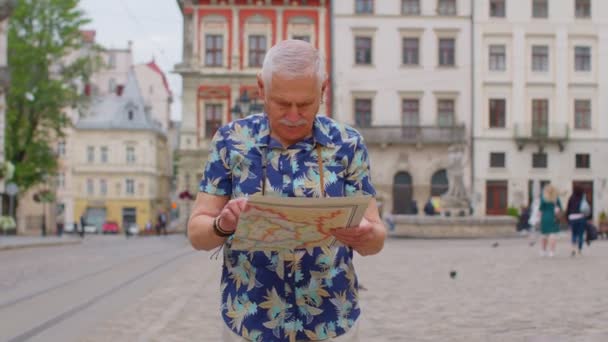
292, 295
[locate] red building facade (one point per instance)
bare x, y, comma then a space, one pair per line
224, 44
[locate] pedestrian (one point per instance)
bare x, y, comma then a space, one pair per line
578, 212
83, 223
549, 208
294, 295
158, 225
524, 217
429, 208
163, 222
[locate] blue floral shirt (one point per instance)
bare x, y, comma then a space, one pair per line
294, 295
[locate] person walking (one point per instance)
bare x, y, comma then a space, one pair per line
83, 223
287, 151
577, 212
550, 206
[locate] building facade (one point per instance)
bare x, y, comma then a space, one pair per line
540, 101
120, 168
402, 77
224, 46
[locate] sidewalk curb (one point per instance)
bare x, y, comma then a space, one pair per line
38, 244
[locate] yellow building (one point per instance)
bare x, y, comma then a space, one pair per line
121, 165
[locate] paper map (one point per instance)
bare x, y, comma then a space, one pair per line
274, 223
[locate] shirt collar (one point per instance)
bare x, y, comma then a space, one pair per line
319, 134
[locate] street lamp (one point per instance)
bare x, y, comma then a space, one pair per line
245, 106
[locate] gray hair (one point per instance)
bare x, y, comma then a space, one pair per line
293, 58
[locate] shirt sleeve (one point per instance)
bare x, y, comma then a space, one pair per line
358, 176
217, 175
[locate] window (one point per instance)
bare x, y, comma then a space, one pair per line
61, 148
446, 51
104, 154
540, 8
539, 160
410, 51
112, 60
497, 8
130, 115
90, 154
130, 154
214, 50
497, 159
305, 38
445, 113
411, 112
213, 118
364, 6
61, 180
103, 187
446, 7
410, 7
498, 58
582, 114
111, 85
130, 187
363, 50
583, 161
582, 58
257, 50
540, 118
582, 8
540, 58
363, 112
90, 188
497, 113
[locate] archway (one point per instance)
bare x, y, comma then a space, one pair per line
439, 183
402, 193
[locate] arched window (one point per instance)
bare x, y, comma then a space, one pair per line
439, 183
402, 193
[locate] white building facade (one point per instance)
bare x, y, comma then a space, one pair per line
541, 86
402, 77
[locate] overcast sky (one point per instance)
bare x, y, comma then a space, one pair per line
154, 26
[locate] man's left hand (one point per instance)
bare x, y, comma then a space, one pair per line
366, 239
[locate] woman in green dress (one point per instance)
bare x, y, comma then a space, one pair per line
550, 206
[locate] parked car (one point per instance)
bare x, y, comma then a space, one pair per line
90, 229
109, 227
133, 229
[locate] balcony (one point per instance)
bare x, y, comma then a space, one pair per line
413, 134
541, 135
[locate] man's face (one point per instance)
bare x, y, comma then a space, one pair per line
291, 106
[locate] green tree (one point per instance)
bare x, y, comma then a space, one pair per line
47, 60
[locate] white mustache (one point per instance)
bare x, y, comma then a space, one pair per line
286, 122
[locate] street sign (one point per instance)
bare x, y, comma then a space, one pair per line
12, 189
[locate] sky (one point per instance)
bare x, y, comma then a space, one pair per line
154, 26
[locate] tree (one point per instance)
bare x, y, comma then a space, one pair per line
47, 65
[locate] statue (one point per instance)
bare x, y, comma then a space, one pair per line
456, 197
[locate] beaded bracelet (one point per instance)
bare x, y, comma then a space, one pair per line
218, 230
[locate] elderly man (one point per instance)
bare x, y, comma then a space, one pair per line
292, 295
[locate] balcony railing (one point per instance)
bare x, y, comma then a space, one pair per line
413, 134
557, 133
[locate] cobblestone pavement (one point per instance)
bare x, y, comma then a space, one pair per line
502, 291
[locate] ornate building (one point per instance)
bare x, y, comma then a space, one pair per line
404, 81
224, 45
